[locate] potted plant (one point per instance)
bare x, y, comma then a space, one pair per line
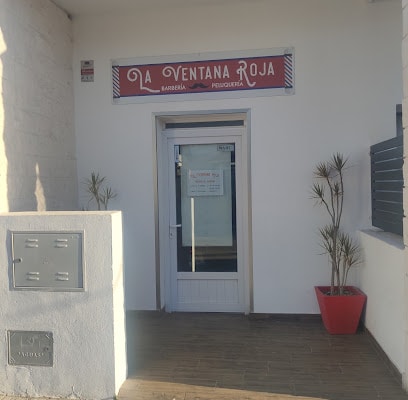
340, 305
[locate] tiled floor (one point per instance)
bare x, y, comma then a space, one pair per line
185, 356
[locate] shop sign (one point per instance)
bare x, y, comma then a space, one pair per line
261, 72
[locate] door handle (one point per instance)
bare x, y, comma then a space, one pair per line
173, 226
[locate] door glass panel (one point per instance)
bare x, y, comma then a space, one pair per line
205, 208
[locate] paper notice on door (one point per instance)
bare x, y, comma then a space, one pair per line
210, 222
205, 183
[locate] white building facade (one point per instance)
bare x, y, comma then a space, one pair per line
58, 128
348, 80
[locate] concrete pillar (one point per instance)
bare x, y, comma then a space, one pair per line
87, 326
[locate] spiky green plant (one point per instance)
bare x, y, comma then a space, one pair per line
101, 195
328, 192
107, 194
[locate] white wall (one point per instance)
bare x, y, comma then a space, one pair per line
405, 126
37, 150
381, 279
348, 81
88, 327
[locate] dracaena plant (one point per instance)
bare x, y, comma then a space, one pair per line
98, 192
328, 191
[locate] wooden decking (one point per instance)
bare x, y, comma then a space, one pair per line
185, 356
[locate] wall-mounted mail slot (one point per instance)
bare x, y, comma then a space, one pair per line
48, 261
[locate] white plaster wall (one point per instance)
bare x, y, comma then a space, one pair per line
88, 327
348, 81
381, 279
37, 146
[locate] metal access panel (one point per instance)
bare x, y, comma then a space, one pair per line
48, 261
30, 348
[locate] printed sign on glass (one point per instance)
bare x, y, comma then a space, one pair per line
205, 183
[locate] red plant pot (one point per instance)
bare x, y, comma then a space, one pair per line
340, 314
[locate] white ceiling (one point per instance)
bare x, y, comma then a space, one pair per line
97, 7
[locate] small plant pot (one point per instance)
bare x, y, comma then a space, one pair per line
341, 314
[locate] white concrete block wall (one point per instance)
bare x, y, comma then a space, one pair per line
88, 327
37, 150
380, 279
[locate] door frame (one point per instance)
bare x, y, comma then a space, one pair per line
235, 280
163, 275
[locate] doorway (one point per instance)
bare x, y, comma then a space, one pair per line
203, 216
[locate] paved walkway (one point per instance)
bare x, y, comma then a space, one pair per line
184, 356
2, 397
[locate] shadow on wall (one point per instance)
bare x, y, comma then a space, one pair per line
37, 153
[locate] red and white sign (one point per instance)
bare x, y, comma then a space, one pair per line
87, 71
258, 72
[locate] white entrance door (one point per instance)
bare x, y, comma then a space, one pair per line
205, 257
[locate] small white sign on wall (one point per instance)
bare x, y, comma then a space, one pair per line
205, 182
87, 71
